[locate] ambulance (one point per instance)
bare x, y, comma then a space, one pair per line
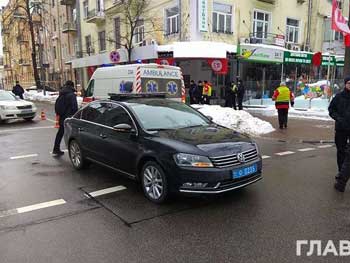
135, 78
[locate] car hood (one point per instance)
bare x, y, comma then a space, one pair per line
15, 103
211, 140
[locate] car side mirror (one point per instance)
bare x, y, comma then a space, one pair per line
124, 127
209, 118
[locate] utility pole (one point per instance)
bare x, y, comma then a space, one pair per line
346, 71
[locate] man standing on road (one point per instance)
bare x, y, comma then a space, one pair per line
282, 96
339, 110
240, 94
66, 105
18, 90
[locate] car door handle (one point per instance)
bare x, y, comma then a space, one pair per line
103, 136
81, 129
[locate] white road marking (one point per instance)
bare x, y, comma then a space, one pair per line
284, 153
24, 156
50, 120
265, 157
325, 146
26, 129
30, 208
306, 149
107, 191
62, 151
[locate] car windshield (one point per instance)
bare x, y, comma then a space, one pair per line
164, 114
6, 96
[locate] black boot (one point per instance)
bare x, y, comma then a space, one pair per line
57, 152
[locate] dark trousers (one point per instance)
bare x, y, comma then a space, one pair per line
344, 172
228, 102
282, 117
234, 102
240, 102
206, 99
59, 136
341, 141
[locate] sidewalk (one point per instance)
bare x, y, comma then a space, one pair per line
300, 130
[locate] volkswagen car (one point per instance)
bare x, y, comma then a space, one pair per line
12, 107
166, 145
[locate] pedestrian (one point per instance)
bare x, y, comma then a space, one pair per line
200, 92
66, 105
18, 90
229, 95
339, 110
207, 91
240, 94
282, 96
192, 93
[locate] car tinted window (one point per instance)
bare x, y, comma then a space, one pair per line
166, 114
93, 112
114, 115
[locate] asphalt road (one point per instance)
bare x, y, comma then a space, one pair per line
261, 223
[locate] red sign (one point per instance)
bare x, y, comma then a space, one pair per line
317, 59
219, 66
339, 22
166, 61
114, 56
91, 70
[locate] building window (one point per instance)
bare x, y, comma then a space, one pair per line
99, 5
53, 3
117, 32
54, 25
261, 24
102, 40
86, 8
88, 45
292, 31
222, 18
338, 36
172, 20
54, 52
139, 34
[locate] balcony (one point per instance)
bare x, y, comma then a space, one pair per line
7, 67
267, 39
268, 1
95, 16
69, 27
5, 31
19, 15
68, 2
5, 49
22, 39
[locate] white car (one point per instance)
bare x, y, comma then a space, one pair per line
12, 107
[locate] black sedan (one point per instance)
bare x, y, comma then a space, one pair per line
166, 145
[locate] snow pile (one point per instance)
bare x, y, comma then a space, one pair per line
316, 114
50, 97
240, 121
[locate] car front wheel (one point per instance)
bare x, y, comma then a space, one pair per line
76, 155
154, 182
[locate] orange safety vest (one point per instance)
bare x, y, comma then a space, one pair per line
207, 90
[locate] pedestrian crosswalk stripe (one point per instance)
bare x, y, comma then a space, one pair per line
107, 191
24, 156
306, 149
325, 146
265, 157
284, 153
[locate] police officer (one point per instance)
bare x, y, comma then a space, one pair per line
207, 90
339, 110
282, 96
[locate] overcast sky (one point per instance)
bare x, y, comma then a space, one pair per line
2, 3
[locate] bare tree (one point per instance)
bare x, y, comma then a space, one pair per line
135, 17
29, 9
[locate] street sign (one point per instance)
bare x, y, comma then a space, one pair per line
114, 56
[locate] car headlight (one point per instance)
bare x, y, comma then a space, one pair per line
2, 107
190, 160
8, 107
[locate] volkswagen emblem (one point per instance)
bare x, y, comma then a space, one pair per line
240, 157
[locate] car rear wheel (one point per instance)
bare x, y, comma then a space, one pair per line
76, 155
154, 182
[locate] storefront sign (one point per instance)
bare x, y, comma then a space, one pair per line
297, 57
203, 15
328, 60
261, 54
339, 61
166, 61
219, 66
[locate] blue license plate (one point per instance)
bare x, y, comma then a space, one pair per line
245, 171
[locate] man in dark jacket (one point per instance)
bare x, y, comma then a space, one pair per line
200, 92
18, 90
192, 93
240, 94
230, 95
66, 106
339, 110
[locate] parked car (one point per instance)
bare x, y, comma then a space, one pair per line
12, 107
166, 145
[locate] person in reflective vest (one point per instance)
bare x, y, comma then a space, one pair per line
282, 97
207, 90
